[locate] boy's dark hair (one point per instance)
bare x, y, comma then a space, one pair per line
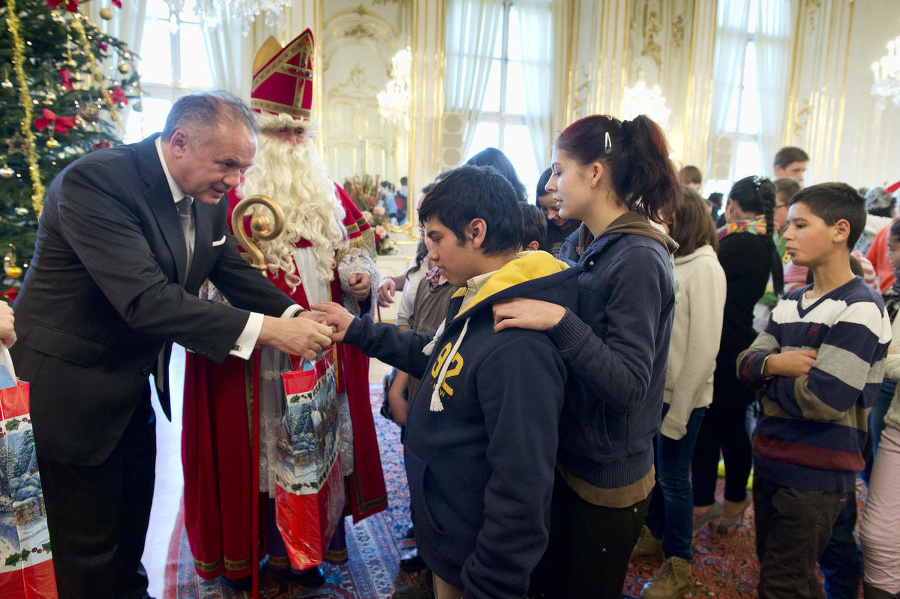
403, 181
789, 155
535, 226
471, 192
692, 227
786, 188
835, 201
690, 174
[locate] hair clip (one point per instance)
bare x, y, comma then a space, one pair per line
757, 181
607, 143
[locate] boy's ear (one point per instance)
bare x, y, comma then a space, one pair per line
841, 231
476, 230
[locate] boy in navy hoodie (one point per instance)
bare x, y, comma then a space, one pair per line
482, 428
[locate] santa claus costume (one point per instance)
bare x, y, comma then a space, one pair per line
325, 242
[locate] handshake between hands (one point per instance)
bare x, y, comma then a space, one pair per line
310, 333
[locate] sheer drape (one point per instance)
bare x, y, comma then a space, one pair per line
535, 22
774, 24
230, 57
731, 42
471, 35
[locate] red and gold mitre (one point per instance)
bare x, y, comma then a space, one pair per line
282, 77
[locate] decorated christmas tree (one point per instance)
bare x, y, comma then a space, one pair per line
63, 84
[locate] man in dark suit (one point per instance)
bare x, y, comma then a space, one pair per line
118, 261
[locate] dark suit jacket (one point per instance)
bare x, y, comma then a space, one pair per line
106, 290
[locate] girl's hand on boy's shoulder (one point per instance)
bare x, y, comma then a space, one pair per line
527, 314
790, 363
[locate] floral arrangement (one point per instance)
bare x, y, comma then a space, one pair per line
363, 189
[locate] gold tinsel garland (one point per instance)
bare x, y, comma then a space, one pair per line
12, 19
98, 77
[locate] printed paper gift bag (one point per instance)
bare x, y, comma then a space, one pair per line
26, 567
309, 498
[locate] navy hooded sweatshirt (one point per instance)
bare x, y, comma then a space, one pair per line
482, 430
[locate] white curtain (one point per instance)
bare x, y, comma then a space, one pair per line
226, 53
471, 35
774, 26
731, 42
535, 20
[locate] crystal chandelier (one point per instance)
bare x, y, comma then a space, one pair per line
393, 102
887, 75
641, 100
213, 12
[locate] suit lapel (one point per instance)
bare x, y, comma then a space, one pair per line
162, 205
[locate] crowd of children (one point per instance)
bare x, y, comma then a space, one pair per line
546, 485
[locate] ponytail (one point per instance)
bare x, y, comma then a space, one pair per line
636, 156
756, 195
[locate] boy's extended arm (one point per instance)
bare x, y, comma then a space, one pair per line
521, 414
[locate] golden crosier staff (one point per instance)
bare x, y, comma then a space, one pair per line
260, 227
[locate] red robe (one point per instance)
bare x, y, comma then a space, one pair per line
216, 442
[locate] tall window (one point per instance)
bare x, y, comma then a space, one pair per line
742, 126
502, 120
173, 63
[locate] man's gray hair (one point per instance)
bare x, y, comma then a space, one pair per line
206, 110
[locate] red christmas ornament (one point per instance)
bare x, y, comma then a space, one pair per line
71, 5
66, 77
117, 3
119, 96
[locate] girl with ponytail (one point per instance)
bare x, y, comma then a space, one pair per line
616, 178
748, 256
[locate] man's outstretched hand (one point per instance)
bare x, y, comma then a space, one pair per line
302, 336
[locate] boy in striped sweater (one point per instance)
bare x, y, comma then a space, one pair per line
819, 362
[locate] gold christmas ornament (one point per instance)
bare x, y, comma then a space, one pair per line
78, 121
123, 68
50, 98
90, 112
14, 272
52, 144
106, 14
6, 172
71, 63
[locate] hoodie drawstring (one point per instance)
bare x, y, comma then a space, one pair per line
436, 405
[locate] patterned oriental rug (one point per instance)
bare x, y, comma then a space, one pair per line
725, 566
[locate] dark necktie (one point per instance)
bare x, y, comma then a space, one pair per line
187, 226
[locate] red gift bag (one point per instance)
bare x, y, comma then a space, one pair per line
309, 498
26, 567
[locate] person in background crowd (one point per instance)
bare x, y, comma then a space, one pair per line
791, 162
697, 327
748, 256
691, 176
558, 228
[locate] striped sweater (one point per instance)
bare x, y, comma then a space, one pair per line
812, 429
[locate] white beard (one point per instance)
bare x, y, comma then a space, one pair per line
296, 178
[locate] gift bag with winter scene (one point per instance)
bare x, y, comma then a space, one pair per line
26, 567
309, 498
